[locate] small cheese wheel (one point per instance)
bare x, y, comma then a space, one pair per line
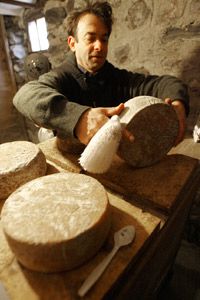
56, 222
154, 126
20, 161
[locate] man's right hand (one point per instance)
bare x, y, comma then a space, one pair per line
93, 119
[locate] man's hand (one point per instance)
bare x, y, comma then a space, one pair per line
93, 119
180, 111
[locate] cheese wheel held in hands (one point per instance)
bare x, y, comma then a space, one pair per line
154, 126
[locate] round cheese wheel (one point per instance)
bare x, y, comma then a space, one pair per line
70, 145
155, 127
20, 161
56, 222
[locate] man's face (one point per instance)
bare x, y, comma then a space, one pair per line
91, 43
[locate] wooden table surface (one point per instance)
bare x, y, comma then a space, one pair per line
157, 186
25, 284
156, 200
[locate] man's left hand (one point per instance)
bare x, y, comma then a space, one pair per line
180, 111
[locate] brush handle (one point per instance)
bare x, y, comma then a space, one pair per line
97, 272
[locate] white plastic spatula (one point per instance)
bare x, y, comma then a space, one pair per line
122, 237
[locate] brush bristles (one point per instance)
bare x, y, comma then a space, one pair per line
98, 155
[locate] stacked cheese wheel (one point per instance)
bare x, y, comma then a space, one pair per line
20, 162
56, 222
155, 127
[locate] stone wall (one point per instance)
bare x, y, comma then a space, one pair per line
17, 35
160, 37
150, 36
17, 46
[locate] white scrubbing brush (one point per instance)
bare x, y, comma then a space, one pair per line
97, 156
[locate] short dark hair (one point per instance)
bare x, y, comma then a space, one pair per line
103, 10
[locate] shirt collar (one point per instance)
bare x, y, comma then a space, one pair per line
85, 72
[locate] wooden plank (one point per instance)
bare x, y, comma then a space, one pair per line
157, 186
25, 284
64, 160
19, 3
187, 147
152, 269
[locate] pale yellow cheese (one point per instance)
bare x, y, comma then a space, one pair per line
56, 222
20, 161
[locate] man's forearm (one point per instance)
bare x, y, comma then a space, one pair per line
48, 108
166, 87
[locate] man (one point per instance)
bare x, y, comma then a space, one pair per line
77, 98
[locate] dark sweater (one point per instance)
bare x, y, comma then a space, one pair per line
59, 97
